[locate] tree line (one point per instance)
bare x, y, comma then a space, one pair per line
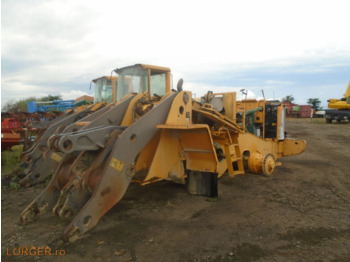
314, 102
21, 105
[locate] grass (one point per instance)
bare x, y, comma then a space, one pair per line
10, 159
10, 170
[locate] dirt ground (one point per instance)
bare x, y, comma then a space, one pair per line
301, 213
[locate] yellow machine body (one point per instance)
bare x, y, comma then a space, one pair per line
151, 133
197, 144
343, 103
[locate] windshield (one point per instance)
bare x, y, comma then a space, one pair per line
158, 83
132, 80
103, 90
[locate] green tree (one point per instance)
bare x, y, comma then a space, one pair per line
21, 105
314, 102
17, 106
9, 106
288, 98
50, 98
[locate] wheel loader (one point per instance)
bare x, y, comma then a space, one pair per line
153, 133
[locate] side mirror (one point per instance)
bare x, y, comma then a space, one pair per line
179, 85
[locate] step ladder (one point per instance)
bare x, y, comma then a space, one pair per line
234, 160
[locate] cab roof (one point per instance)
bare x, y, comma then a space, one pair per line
107, 77
145, 66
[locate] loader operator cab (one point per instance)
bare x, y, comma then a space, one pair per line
105, 89
142, 78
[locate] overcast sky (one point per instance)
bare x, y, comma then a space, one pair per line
299, 48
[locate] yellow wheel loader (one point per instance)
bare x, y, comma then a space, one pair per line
154, 133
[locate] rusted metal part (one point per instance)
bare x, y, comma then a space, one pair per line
82, 181
43, 160
269, 165
69, 176
117, 175
85, 184
41, 168
49, 197
46, 200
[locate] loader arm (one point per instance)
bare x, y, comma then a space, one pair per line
102, 189
33, 157
117, 175
40, 147
47, 161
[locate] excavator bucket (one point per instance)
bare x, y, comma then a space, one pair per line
154, 133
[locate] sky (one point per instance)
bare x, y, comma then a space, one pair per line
298, 48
